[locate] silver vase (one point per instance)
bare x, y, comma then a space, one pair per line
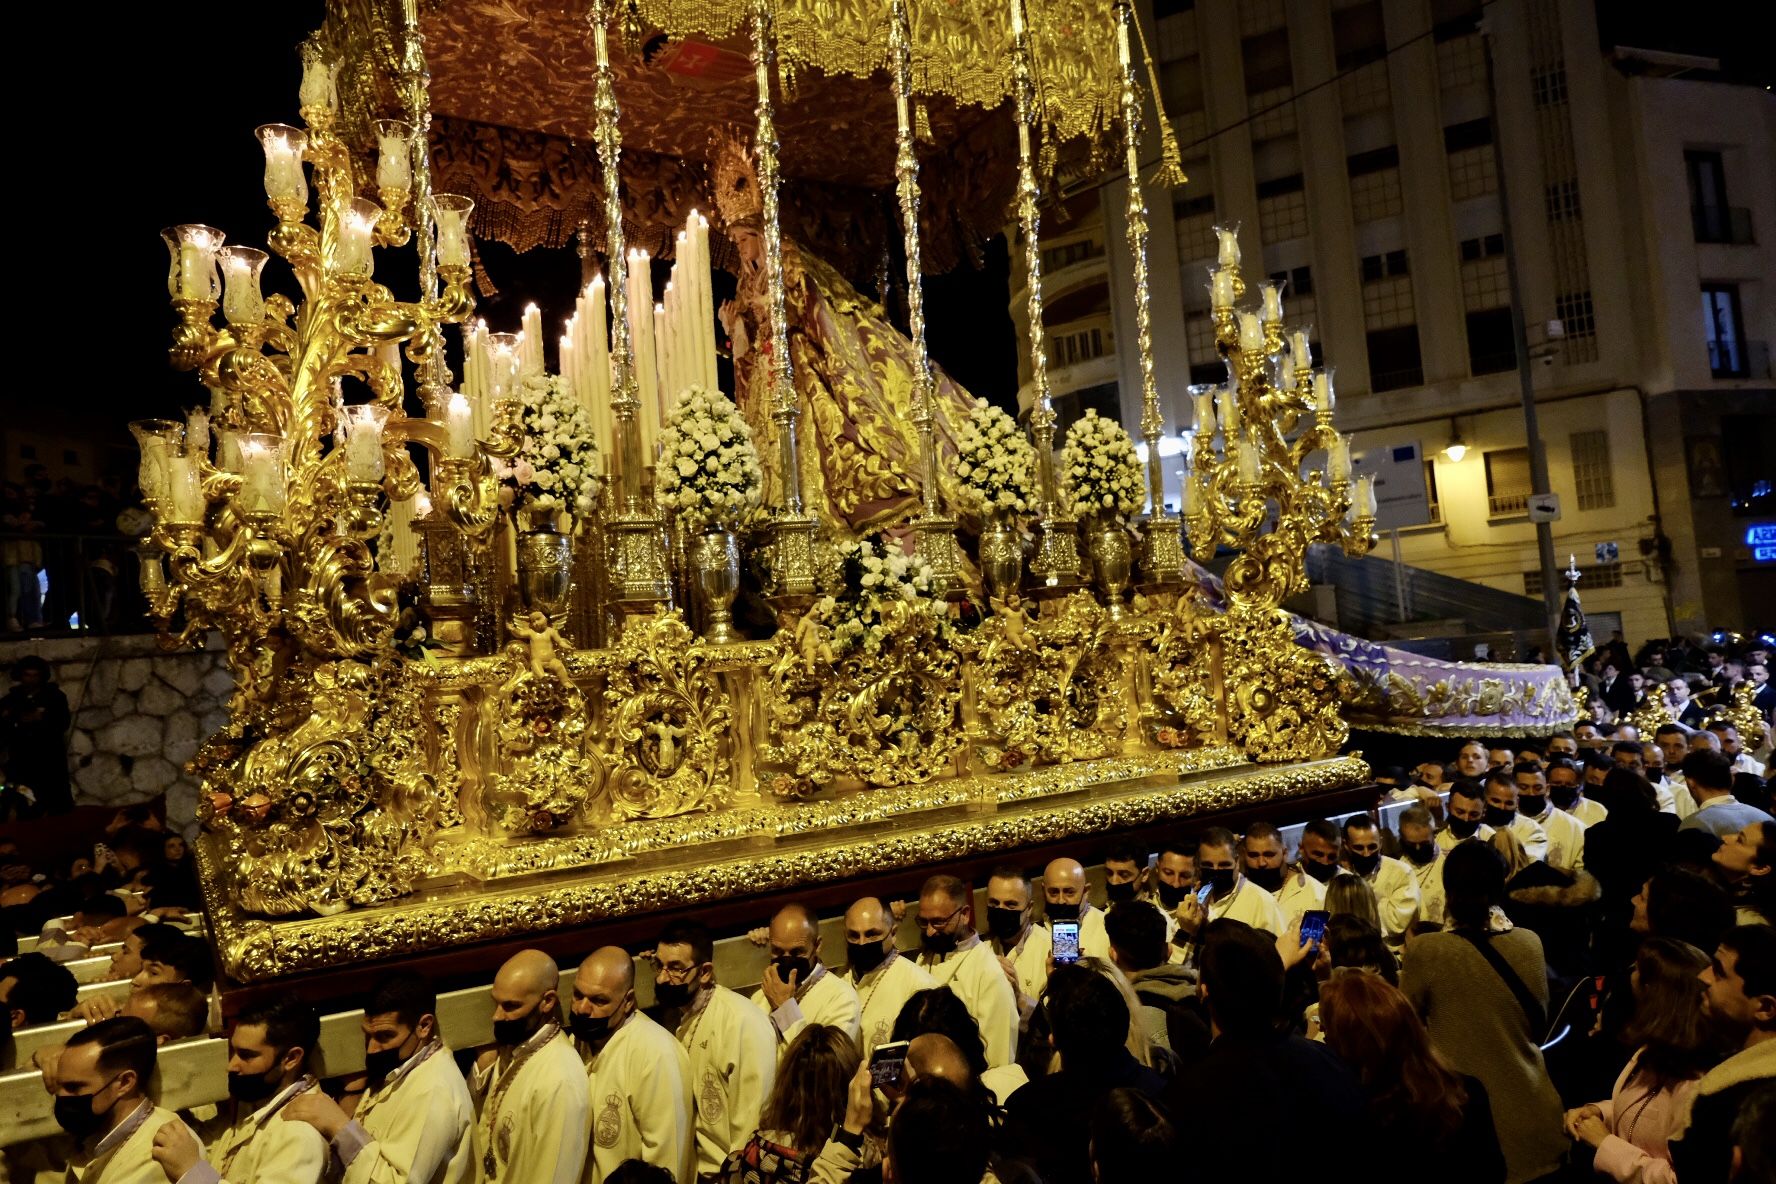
715, 569
545, 570
1001, 557
1113, 556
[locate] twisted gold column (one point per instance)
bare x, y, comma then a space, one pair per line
639, 576
1162, 553
1056, 565
935, 531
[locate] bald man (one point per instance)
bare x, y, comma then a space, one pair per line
529, 1089
883, 980
1024, 947
1064, 899
932, 1054
638, 1075
957, 958
798, 990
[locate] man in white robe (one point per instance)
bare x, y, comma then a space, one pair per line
883, 979
798, 990
1023, 947
1502, 814
956, 956
731, 1045
532, 1115
117, 1129
1229, 893
1424, 858
1566, 834
637, 1073
1394, 885
1467, 808
1566, 789
413, 1122
1266, 864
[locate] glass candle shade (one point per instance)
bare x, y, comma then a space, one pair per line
319, 88
394, 155
1273, 302
1227, 246
193, 248
363, 441
242, 303
1248, 461
459, 427
1221, 287
1301, 346
356, 226
1324, 395
503, 353
1251, 338
160, 440
262, 474
1338, 459
1230, 411
184, 503
450, 214
1203, 397
285, 182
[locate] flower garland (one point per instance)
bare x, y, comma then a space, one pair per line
1100, 469
708, 473
995, 464
557, 467
882, 589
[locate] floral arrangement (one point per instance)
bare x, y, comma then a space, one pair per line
557, 466
708, 473
995, 464
882, 590
1100, 469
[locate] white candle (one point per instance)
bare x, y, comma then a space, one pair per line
1221, 287
705, 309
597, 336
1339, 458
403, 540
1205, 411
197, 433
1230, 411
394, 155
1364, 502
1273, 302
363, 441
1227, 254
1323, 392
1248, 462
262, 474
194, 251
228, 452
1251, 339
640, 308
1017, 18
532, 351
450, 214
663, 362
353, 229
242, 302
459, 428
184, 503
318, 89
1301, 347
1192, 496
284, 179
569, 375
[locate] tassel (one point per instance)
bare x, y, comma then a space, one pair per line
1170, 173
921, 122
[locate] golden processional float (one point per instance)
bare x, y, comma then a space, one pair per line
483, 620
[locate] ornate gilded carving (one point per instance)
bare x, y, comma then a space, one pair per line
666, 734
545, 772
1282, 700
1047, 690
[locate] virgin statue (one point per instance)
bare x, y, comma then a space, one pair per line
854, 377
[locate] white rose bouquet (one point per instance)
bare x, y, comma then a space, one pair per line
995, 464
708, 473
1100, 469
557, 467
882, 588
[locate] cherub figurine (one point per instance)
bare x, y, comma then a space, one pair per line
668, 735
814, 648
543, 638
1011, 611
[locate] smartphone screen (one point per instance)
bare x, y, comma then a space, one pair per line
1066, 942
1202, 894
887, 1064
1313, 927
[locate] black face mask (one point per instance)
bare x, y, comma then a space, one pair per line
796, 964
516, 1031
1564, 796
1497, 817
1319, 871
1059, 911
1171, 896
1117, 893
1420, 853
1003, 924
865, 956
590, 1029
1463, 828
76, 1114
1218, 878
674, 995
378, 1065
938, 943
1365, 865
250, 1087
1532, 805
1267, 878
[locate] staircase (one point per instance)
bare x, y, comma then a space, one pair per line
1368, 597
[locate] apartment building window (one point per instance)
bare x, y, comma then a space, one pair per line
1548, 85
1067, 254
1394, 358
1181, 84
1489, 246
1266, 58
1375, 184
1591, 470
1260, 16
1452, 19
1359, 42
1390, 323
1492, 347
1199, 341
1725, 327
1507, 481
1577, 317
1562, 200
1195, 218
1473, 169
1715, 221
1486, 297
1461, 62
1282, 208
1067, 349
1300, 305
1376, 267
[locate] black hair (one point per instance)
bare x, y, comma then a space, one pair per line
1527, 769
290, 1022
1755, 962
1138, 931
1263, 830
1010, 871
405, 994
1216, 836
639, 1171
1088, 1016
1358, 822
30, 663
1321, 828
41, 988
1125, 851
1754, 1135
125, 1042
1688, 906
1467, 788
1632, 747
1180, 845
942, 1011
1353, 942
1243, 977
939, 1134
1473, 881
1709, 769
685, 932
188, 956
103, 904
1626, 790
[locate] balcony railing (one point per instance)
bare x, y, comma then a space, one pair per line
61, 584
1722, 224
1500, 505
1739, 359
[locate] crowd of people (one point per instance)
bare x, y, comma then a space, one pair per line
1558, 963
64, 547
1694, 680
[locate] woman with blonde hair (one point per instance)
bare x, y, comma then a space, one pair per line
1349, 895
806, 1102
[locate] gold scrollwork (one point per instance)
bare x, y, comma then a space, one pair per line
546, 770
669, 720
1282, 698
1047, 690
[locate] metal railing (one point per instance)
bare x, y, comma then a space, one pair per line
1722, 224
1507, 503
60, 584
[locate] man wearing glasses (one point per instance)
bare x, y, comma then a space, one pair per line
956, 957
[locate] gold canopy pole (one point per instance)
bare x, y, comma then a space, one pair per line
415, 81
638, 577
1162, 557
1056, 565
792, 529
936, 532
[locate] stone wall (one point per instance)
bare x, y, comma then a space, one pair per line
139, 714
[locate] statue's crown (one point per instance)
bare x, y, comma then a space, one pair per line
737, 196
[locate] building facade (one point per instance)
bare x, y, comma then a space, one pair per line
1355, 144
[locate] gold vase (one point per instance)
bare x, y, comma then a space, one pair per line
715, 568
1001, 557
545, 570
1113, 556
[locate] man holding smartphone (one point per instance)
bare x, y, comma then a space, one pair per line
1064, 899
1225, 892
